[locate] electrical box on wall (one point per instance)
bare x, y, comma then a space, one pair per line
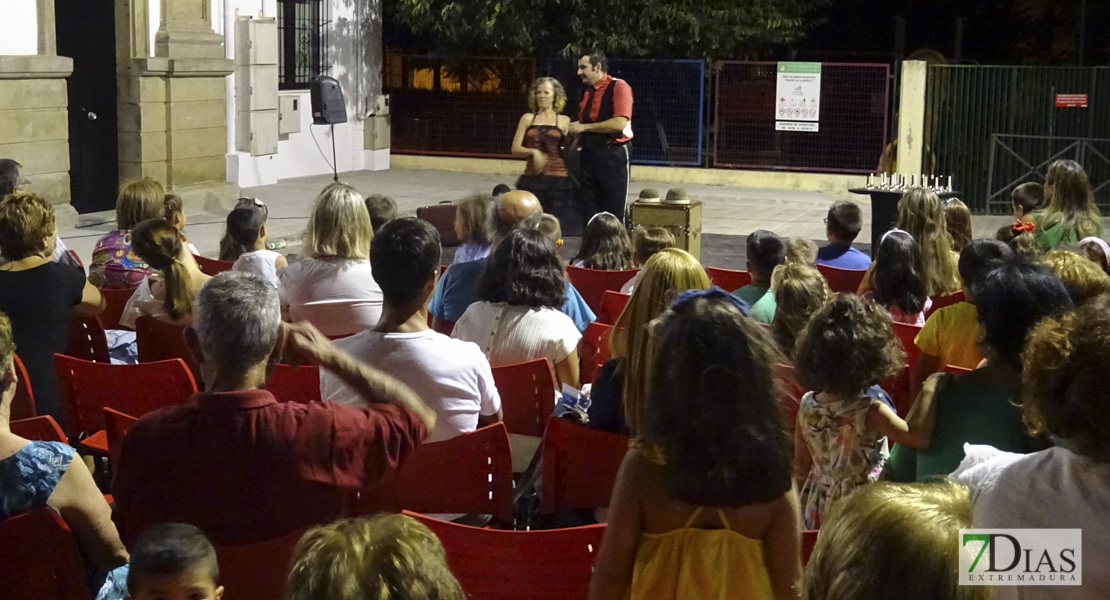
289, 113
256, 86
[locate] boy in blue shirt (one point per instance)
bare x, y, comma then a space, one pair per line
842, 225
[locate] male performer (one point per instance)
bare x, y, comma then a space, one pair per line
604, 128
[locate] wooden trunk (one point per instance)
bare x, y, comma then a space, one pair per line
682, 220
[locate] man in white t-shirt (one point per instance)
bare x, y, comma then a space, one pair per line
453, 377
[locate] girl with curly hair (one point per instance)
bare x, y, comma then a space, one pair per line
605, 245
841, 435
800, 290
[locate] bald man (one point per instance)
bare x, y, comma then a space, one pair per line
456, 290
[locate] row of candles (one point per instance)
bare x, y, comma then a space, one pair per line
897, 181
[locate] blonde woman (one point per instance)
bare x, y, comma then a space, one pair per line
114, 264
335, 290
800, 290
620, 388
540, 136
921, 214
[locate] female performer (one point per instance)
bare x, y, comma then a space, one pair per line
539, 138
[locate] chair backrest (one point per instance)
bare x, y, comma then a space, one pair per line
940, 302
87, 387
87, 340
295, 384
579, 466
43, 429
955, 370
906, 334
257, 570
592, 283
162, 340
23, 405
116, 425
116, 300
898, 387
809, 540
444, 327
728, 279
492, 564
211, 266
40, 560
593, 350
612, 305
790, 395
76, 259
527, 391
470, 473
842, 281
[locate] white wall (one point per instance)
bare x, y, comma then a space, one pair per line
19, 27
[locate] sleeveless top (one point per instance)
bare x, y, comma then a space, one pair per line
28, 477
547, 139
115, 264
260, 262
709, 564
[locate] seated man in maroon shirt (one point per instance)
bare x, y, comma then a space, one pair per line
242, 465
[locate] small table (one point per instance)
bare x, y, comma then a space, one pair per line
884, 210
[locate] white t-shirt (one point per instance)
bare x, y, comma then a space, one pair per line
451, 376
141, 303
1051, 489
337, 295
630, 284
511, 334
260, 262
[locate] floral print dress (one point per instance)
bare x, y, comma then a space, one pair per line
115, 264
846, 452
28, 477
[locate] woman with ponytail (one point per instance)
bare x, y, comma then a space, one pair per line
168, 295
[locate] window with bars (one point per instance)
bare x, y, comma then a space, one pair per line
302, 41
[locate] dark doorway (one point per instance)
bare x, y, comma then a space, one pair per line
87, 34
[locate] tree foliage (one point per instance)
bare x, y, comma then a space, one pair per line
711, 29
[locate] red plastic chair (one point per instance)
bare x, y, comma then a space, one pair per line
790, 398
77, 259
115, 299
592, 283
471, 473
295, 384
593, 350
491, 564
728, 279
842, 281
899, 389
527, 391
211, 266
40, 560
906, 334
162, 340
116, 425
953, 369
612, 305
940, 302
257, 570
23, 405
87, 341
579, 466
43, 429
444, 327
809, 541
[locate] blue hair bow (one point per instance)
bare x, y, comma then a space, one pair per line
714, 292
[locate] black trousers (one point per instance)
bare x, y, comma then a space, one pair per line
604, 179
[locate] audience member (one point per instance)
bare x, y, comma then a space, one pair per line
515, 318
1097, 251
921, 213
500, 190
605, 245
174, 212
800, 291
1069, 212
12, 181
230, 250
846, 347
842, 226
248, 227
893, 540
703, 505
384, 557
114, 264
801, 250
550, 227
304, 458
1082, 278
174, 561
382, 209
646, 242
168, 295
335, 291
452, 377
1027, 198
1019, 237
982, 407
1064, 396
472, 228
617, 397
765, 252
898, 279
36, 474
957, 219
40, 296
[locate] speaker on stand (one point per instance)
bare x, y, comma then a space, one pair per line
328, 108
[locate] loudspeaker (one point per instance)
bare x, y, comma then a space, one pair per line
327, 101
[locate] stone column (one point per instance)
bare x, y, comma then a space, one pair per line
911, 118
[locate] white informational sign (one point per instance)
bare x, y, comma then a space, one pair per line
798, 96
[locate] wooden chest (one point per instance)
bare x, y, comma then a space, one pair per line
682, 220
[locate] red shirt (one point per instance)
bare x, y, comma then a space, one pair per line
622, 101
242, 466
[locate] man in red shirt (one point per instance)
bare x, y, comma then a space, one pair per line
604, 128
242, 465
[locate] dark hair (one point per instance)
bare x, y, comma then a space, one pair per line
597, 57
979, 257
501, 189
230, 250
9, 176
899, 275
169, 549
1022, 244
244, 225
524, 270
382, 210
172, 205
711, 409
1028, 196
159, 243
847, 347
1011, 299
404, 256
845, 220
765, 252
646, 241
605, 244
